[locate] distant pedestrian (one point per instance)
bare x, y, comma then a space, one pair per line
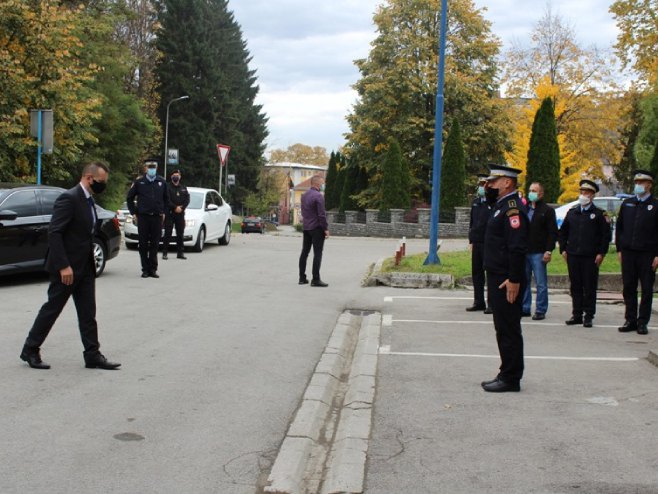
541, 243
70, 264
636, 237
316, 230
480, 213
150, 190
584, 241
179, 199
505, 245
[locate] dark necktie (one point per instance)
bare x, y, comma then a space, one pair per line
90, 201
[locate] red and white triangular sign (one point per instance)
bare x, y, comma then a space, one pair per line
222, 152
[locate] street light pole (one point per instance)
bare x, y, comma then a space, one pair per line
166, 149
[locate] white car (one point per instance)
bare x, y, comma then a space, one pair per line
609, 204
207, 218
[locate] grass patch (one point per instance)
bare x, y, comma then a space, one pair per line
458, 264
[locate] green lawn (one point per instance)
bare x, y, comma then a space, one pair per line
458, 264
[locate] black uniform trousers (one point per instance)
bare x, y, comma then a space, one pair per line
312, 238
177, 220
507, 321
584, 278
636, 266
149, 228
83, 290
477, 273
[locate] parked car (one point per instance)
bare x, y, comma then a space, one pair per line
207, 218
253, 224
25, 212
123, 213
610, 204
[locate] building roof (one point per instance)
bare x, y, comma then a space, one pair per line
305, 185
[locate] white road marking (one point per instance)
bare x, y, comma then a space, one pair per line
490, 322
412, 297
387, 320
386, 350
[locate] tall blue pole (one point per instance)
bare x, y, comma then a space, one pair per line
39, 137
433, 256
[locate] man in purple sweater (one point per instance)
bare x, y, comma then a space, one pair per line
316, 230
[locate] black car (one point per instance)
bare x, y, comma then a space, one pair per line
252, 224
25, 212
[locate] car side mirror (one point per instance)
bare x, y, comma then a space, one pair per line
212, 207
7, 215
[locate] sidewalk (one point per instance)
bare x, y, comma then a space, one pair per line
586, 420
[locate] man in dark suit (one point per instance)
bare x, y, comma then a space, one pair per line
70, 262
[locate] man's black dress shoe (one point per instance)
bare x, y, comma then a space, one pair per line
303, 281
33, 359
145, 274
99, 361
181, 256
165, 256
475, 308
587, 323
501, 387
642, 328
538, 316
573, 321
627, 327
488, 310
491, 381
318, 283
525, 314
154, 275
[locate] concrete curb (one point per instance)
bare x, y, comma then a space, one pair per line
653, 358
326, 444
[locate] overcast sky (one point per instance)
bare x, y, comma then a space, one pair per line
303, 52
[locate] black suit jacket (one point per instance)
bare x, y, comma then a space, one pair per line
70, 234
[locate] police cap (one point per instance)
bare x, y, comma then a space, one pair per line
643, 175
483, 177
502, 171
151, 163
589, 185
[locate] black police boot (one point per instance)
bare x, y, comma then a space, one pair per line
628, 327
165, 256
642, 328
181, 256
573, 321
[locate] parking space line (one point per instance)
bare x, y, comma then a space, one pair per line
387, 320
386, 350
412, 297
489, 322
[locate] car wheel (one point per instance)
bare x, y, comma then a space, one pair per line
200, 240
100, 256
227, 235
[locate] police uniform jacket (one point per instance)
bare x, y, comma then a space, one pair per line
506, 239
178, 196
480, 213
152, 196
637, 225
585, 233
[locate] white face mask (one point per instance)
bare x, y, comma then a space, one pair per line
583, 200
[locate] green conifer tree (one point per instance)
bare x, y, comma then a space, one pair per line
395, 179
653, 165
330, 183
453, 171
544, 152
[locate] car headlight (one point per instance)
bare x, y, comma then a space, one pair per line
190, 223
128, 219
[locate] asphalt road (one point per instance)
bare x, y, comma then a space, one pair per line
216, 355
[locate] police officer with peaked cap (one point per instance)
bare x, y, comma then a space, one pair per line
480, 213
179, 199
584, 239
505, 245
637, 246
150, 190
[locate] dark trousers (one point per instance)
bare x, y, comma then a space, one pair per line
312, 238
477, 273
83, 290
636, 266
584, 280
149, 229
177, 220
507, 321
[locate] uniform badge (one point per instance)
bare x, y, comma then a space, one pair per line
512, 203
592, 216
650, 207
159, 184
514, 221
178, 194
496, 213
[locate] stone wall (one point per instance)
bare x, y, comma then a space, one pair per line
354, 226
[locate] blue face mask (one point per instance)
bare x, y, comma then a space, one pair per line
481, 191
638, 190
533, 196
322, 187
151, 172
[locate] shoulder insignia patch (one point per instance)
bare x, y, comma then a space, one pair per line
512, 212
515, 221
511, 203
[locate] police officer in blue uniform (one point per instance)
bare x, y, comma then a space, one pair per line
150, 192
480, 213
637, 246
505, 246
584, 239
179, 199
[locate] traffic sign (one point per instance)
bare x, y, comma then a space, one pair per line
222, 152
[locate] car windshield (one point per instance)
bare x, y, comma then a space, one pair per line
196, 200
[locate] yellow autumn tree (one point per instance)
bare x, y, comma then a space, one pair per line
584, 93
